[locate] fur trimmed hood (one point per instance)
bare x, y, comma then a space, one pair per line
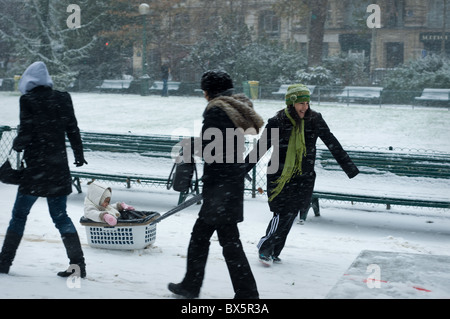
239, 109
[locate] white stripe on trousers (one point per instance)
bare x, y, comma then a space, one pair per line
273, 227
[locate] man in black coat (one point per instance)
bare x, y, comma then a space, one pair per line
46, 116
227, 118
293, 133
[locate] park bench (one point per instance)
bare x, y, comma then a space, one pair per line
435, 96
144, 160
429, 165
147, 160
171, 86
283, 89
360, 94
114, 85
375, 199
158, 149
410, 165
434, 165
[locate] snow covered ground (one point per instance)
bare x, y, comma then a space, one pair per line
320, 256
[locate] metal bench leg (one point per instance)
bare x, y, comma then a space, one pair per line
182, 197
315, 206
77, 185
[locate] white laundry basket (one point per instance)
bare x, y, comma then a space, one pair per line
126, 235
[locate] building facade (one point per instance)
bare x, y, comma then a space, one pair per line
410, 29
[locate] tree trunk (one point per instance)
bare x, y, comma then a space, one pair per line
316, 29
45, 49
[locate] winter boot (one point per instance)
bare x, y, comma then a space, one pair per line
178, 289
276, 260
12, 241
75, 253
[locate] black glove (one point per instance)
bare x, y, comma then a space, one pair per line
80, 161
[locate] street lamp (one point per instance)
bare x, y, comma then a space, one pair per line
144, 9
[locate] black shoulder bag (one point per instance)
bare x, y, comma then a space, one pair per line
9, 175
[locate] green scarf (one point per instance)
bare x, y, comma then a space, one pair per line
294, 156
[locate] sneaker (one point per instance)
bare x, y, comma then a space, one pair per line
177, 289
276, 260
266, 261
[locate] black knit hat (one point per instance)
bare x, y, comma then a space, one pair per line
217, 83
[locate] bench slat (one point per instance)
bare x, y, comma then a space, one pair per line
381, 200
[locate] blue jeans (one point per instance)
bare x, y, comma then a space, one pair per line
57, 209
165, 89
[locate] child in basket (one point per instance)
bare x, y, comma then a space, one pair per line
97, 205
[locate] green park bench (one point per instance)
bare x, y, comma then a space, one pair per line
409, 164
153, 146
412, 164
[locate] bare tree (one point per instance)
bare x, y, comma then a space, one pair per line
38, 31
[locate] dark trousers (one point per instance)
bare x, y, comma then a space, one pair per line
244, 283
276, 234
57, 209
165, 89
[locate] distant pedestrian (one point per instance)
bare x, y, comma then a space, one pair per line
165, 73
223, 187
46, 118
293, 133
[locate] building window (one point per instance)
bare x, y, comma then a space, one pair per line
269, 24
394, 13
435, 15
394, 54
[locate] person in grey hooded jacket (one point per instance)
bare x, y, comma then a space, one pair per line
46, 118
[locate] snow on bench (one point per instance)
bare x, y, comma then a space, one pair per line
115, 85
171, 86
361, 93
430, 95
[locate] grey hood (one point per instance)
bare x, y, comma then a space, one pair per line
35, 75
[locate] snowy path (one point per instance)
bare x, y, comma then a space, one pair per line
316, 256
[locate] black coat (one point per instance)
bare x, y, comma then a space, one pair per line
296, 194
224, 170
46, 116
